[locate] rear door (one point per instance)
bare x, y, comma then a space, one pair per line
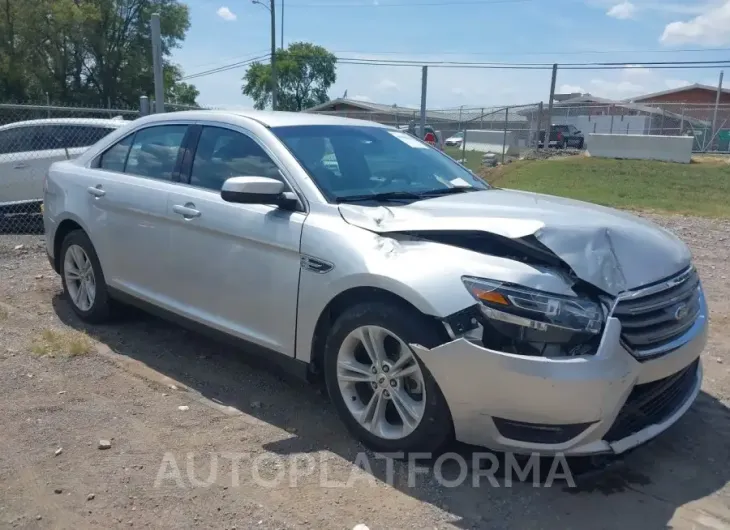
237, 265
128, 193
22, 153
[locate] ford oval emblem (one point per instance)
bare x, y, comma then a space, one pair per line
680, 311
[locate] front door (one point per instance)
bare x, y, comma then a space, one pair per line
236, 266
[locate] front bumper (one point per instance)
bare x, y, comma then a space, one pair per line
504, 401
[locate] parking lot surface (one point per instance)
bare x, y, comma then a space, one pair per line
202, 436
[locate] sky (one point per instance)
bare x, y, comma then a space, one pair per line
513, 31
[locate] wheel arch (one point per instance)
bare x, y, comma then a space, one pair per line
343, 301
64, 228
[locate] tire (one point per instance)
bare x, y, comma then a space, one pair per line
580, 144
99, 308
435, 428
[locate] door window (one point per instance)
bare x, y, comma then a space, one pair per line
16, 140
72, 136
115, 157
223, 153
155, 151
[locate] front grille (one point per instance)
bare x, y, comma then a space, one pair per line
651, 321
653, 402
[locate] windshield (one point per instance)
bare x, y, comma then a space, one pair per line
353, 161
460, 134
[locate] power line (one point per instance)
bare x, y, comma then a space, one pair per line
658, 65
378, 5
226, 67
574, 52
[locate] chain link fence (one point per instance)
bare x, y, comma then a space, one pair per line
32, 137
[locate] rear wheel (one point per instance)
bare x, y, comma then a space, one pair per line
384, 394
83, 279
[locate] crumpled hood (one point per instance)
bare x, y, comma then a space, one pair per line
611, 249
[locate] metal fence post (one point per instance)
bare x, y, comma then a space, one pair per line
681, 122
157, 64
540, 108
717, 104
611, 110
463, 147
144, 106
481, 120
424, 86
48, 103
504, 138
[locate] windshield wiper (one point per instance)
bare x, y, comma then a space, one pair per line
449, 191
385, 196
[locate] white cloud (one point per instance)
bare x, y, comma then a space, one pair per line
571, 89
457, 91
711, 28
617, 89
676, 83
386, 85
622, 11
226, 14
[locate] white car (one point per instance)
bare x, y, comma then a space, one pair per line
28, 148
455, 140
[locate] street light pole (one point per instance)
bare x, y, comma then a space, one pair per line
272, 10
273, 57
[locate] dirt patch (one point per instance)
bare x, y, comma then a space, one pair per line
169, 400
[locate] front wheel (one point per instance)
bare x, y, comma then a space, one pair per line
384, 394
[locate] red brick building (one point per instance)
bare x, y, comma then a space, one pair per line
695, 100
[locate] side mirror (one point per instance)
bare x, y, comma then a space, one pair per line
257, 190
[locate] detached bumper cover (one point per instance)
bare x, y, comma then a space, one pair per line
480, 384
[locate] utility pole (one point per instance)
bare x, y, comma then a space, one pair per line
424, 86
157, 63
550, 106
272, 10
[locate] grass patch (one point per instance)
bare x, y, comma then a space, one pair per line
66, 343
701, 188
473, 158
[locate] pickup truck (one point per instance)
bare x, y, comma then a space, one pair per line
562, 136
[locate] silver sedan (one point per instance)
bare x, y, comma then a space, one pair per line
433, 305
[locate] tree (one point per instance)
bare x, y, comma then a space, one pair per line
90, 52
304, 73
177, 91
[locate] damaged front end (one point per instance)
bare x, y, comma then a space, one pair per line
518, 319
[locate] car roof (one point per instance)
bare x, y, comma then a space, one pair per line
266, 118
94, 122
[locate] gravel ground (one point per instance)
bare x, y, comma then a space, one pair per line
168, 400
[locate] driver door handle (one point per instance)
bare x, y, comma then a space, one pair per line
188, 211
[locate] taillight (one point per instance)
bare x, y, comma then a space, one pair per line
560, 136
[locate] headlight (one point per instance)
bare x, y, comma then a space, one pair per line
529, 322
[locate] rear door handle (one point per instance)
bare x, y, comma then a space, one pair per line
20, 165
96, 192
188, 211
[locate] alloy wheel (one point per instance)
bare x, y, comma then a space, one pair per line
381, 382
79, 275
